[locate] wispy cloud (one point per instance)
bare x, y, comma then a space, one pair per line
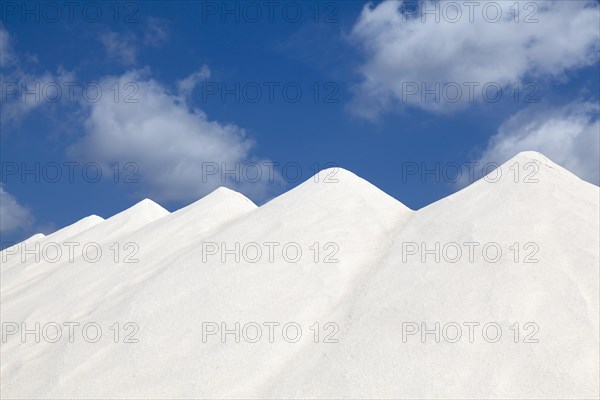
7, 56
24, 87
13, 215
155, 33
120, 47
186, 85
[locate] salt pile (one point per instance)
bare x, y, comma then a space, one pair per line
331, 290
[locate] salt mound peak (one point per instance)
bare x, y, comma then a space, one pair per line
532, 155
333, 189
336, 177
37, 236
223, 193
219, 207
336, 173
539, 158
91, 219
125, 222
529, 176
147, 203
221, 199
342, 184
145, 206
223, 190
550, 172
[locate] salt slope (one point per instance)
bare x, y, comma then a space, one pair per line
182, 227
560, 293
23, 277
198, 219
85, 287
13, 255
94, 229
29, 240
143, 254
74, 229
171, 307
343, 216
124, 223
349, 212
28, 285
162, 240
34, 238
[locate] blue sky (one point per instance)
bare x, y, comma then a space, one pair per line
165, 92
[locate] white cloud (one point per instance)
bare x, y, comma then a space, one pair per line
13, 216
125, 47
169, 142
155, 32
568, 135
24, 89
402, 49
7, 57
25, 92
120, 47
186, 86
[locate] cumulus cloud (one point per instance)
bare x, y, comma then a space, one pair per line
120, 47
13, 216
457, 48
568, 135
174, 146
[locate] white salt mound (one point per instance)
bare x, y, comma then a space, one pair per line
357, 262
